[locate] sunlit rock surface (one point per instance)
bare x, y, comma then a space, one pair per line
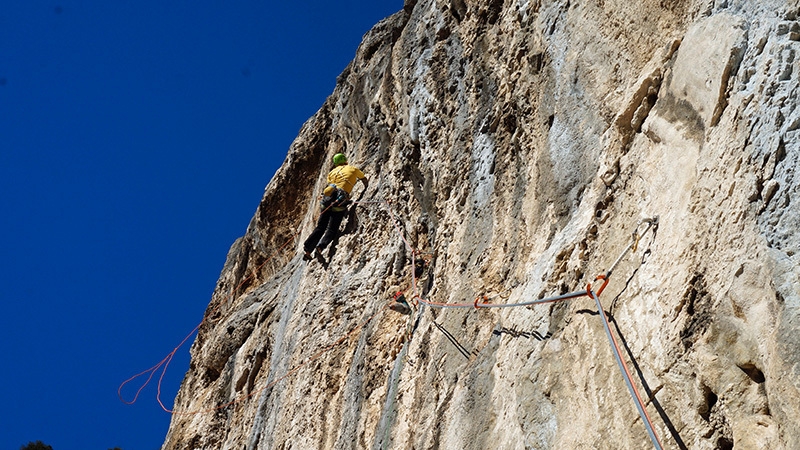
519, 142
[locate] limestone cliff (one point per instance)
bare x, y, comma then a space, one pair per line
515, 144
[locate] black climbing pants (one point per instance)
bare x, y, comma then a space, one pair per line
326, 231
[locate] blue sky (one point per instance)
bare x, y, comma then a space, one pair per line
136, 139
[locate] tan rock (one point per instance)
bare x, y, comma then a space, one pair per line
519, 144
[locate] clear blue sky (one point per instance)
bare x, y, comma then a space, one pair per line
136, 139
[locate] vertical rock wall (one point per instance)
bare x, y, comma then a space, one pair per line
519, 142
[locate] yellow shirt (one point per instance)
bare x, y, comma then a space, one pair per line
345, 177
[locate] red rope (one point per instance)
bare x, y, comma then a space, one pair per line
289, 373
164, 363
626, 373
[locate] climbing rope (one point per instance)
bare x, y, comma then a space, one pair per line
289, 373
626, 374
480, 302
163, 365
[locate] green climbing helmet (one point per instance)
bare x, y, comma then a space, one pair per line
339, 159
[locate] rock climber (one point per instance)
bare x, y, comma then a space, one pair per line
335, 201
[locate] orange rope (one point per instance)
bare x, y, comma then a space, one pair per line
588, 292
289, 373
626, 373
164, 363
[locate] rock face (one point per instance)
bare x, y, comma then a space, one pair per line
515, 145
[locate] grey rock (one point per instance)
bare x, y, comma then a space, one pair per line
516, 145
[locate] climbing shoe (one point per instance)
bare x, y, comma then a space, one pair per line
318, 255
307, 256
